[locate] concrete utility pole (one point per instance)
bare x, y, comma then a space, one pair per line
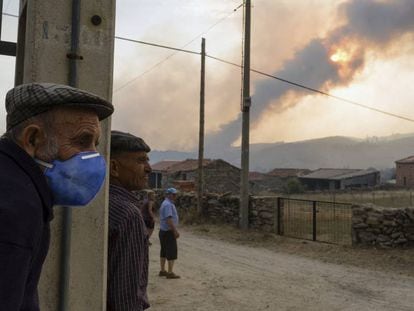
72, 42
200, 188
245, 107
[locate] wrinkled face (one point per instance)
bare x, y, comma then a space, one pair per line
131, 170
71, 131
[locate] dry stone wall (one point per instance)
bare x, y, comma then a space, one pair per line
371, 225
385, 227
225, 208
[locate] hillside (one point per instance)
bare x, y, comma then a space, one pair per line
338, 152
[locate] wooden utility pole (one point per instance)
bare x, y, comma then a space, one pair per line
245, 107
200, 188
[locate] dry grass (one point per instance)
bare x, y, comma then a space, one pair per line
389, 198
400, 261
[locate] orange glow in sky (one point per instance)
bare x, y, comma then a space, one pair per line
340, 56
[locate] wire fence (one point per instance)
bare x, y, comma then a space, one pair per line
321, 221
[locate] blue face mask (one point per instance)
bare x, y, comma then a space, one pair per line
76, 181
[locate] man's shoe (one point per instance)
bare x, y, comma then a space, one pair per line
172, 275
163, 273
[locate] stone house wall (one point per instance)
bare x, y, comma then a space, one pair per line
221, 177
405, 174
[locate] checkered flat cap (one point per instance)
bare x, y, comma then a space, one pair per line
28, 100
126, 142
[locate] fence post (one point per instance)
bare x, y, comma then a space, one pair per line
279, 203
314, 221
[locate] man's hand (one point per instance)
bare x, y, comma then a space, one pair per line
176, 234
172, 227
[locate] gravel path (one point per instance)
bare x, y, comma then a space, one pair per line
218, 275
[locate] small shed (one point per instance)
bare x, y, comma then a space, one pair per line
405, 172
337, 179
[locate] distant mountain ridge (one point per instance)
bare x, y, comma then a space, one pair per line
327, 152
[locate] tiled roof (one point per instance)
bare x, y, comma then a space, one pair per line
187, 165
406, 160
356, 174
337, 174
163, 165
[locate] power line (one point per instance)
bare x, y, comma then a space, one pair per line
163, 46
237, 65
171, 48
316, 90
157, 45
157, 64
269, 76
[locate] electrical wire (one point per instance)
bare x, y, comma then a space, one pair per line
157, 45
240, 66
277, 78
172, 54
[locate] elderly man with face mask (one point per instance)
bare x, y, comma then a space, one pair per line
128, 236
47, 157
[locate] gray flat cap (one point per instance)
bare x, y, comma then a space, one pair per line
28, 100
125, 142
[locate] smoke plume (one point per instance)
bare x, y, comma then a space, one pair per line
369, 25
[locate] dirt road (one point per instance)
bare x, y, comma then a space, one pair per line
218, 275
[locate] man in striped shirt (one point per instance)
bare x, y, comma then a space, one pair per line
128, 237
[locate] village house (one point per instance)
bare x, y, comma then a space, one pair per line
405, 172
219, 175
338, 179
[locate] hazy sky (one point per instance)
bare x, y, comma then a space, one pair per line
362, 50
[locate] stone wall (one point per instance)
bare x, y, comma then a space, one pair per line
263, 213
225, 208
371, 225
385, 227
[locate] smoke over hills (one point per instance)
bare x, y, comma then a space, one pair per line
334, 152
328, 62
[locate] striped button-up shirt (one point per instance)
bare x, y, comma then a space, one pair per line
127, 253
